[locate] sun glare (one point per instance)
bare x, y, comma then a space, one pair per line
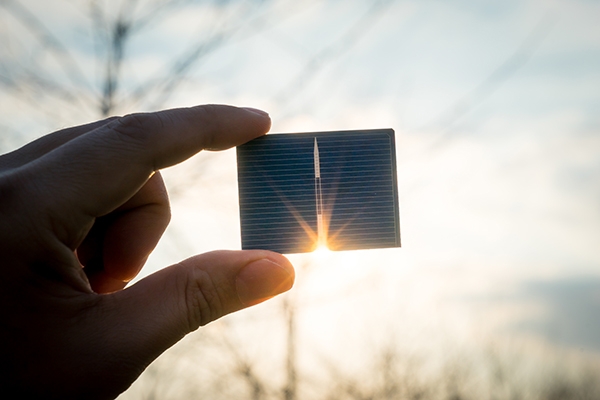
322, 248
321, 252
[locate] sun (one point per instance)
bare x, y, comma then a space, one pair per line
321, 252
322, 248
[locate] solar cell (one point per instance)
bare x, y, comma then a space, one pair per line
300, 191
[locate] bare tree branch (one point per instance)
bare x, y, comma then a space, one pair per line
69, 65
326, 56
291, 387
166, 83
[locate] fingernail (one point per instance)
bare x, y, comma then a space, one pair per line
257, 111
263, 279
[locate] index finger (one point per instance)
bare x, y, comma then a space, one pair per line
95, 173
47, 143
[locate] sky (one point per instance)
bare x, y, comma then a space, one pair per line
495, 108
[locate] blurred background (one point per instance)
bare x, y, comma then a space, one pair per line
495, 293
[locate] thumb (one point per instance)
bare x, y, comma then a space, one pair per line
162, 308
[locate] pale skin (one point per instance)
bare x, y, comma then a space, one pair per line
80, 211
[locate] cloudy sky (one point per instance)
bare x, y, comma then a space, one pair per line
495, 107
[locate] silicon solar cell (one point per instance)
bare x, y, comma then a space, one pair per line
299, 191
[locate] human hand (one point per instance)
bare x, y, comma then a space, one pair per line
80, 211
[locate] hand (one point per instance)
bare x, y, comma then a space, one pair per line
80, 211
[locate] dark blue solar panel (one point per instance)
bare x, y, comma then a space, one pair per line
299, 190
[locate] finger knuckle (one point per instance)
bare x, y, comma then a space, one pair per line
137, 128
210, 119
201, 299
